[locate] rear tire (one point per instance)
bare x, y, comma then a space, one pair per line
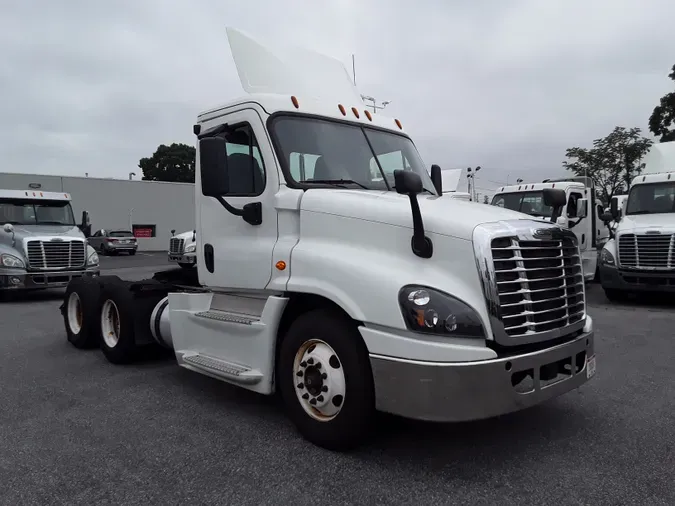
132, 252
341, 379
116, 323
81, 313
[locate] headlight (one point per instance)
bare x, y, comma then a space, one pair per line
606, 257
12, 261
93, 259
191, 247
432, 312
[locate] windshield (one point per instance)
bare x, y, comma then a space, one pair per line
345, 155
32, 212
531, 203
653, 198
120, 233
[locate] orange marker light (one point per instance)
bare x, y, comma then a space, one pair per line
370, 118
295, 102
342, 109
398, 124
281, 265
41, 194
356, 112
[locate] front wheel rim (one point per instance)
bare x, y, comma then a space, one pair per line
110, 323
319, 380
75, 316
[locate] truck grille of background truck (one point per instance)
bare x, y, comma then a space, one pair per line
540, 284
46, 255
654, 251
176, 246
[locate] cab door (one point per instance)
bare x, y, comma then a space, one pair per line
232, 252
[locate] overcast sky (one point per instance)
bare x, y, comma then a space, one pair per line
90, 86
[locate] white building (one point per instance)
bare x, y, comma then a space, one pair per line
150, 209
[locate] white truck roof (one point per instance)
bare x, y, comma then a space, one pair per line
296, 80
563, 185
660, 158
33, 194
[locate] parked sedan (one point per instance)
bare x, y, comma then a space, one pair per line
111, 242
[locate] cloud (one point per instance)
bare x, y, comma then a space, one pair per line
508, 85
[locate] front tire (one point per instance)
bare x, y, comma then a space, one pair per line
615, 295
184, 265
326, 381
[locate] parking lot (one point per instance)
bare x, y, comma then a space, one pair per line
75, 429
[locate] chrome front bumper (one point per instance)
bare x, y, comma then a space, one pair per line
462, 391
13, 279
189, 258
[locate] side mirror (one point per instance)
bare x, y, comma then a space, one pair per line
173, 232
437, 179
85, 226
407, 182
213, 166
554, 197
606, 218
614, 209
9, 228
582, 208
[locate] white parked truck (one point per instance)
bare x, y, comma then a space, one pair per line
641, 255
183, 248
41, 246
581, 212
348, 293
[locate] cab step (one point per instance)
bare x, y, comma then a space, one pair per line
221, 368
226, 316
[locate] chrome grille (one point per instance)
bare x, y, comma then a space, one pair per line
651, 251
46, 255
540, 284
176, 246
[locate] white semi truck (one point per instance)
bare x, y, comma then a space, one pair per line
641, 256
348, 293
183, 248
581, 212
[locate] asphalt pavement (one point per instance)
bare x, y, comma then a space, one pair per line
75, 429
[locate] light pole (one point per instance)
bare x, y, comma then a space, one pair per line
131, 175
470, 175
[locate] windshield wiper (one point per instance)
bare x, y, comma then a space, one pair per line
55, 223
338, 182
640, 212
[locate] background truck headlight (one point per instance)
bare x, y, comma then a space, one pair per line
190, 248
606, 258
11, 261
92, 259
429, 311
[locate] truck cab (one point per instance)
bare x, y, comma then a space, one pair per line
640, 257
581, 212
356, 285
41, 246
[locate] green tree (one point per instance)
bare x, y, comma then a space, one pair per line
174, 163
662, 120
612, 162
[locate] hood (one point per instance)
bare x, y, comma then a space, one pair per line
28, 231
441, 215
185, 235
637, 222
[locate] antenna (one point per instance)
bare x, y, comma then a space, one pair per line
354, 69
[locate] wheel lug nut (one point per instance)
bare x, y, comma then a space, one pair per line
318, 365
305, 396
299, 374
312, 402
324, 376
301, 385
324, 388
303, 364
320, 398
310, 361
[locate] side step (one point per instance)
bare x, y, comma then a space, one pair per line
222, 369
224, 316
